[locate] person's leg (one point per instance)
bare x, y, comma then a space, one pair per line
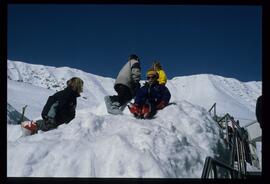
153, 110
49, 123
46, 125
148, 110
124, 94
114, 98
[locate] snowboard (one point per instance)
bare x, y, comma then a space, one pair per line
110, 108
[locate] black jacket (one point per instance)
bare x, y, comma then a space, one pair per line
154, 94
67, 102
259, 110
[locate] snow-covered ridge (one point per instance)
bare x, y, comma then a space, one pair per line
43, 76
54, 79
95, 144
231, 95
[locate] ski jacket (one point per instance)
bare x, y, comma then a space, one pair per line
130, 75
153, 94
259, 110
162, 77
66, 104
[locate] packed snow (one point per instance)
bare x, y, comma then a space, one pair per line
96, 144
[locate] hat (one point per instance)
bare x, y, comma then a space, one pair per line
157, 64
151, 72
133, 56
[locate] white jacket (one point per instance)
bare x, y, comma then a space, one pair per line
129, 74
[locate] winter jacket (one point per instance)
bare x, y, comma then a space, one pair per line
162, 78
154, 94
259, 110
130, 75
66, 101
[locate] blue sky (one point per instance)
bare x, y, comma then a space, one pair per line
187, 39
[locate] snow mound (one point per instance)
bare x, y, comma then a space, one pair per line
172, 145
95, 144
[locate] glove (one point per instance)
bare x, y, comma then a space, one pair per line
161, 105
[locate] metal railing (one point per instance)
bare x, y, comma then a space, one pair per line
236, 140
216, 169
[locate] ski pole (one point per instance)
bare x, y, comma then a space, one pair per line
23, 110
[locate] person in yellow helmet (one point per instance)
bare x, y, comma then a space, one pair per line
162, 77
150, 98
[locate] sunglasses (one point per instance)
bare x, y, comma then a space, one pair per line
151, 77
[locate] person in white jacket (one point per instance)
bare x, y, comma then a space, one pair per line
127, 83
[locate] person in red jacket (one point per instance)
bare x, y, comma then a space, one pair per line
150, 98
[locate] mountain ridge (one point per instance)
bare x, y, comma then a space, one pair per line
200, 89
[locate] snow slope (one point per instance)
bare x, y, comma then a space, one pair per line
232, 96
95, 144
118, 146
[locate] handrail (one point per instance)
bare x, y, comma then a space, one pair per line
237, 147
213, 107
211, 163
235, 139
215, 114
251, 123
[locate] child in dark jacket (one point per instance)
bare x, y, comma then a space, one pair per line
59, 108
150, 98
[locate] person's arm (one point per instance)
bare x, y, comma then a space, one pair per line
136, 72
259, 110
162, 77
66, 102
166, 96
51, 100
141, 96
63, 97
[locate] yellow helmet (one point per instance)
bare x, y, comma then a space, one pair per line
152, 72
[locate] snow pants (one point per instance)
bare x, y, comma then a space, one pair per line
50, 123
124, 94
46, 125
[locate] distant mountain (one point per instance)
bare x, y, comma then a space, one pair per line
231, 95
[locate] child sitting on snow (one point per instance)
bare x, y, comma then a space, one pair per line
59, 108
150, 98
